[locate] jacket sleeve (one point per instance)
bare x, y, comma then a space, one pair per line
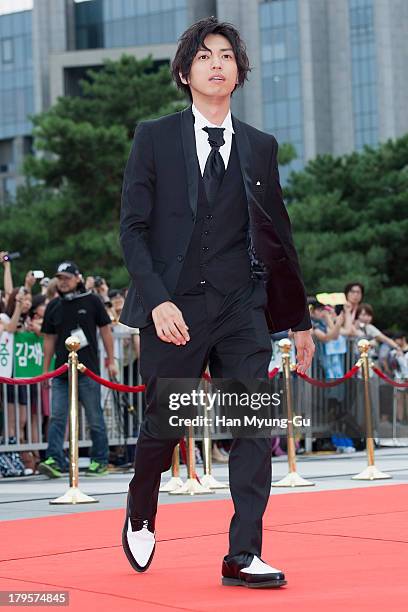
286, 235
136, 208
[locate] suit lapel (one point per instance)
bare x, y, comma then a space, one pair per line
191, 165
190, 156
246, 162
244, 154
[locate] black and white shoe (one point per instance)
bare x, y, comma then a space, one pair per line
255, 575
139, 542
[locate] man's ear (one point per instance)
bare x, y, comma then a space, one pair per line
182, 79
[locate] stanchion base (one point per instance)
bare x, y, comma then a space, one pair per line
371, 473
210, 482
74, 496
174, 483
293, 480
191, 487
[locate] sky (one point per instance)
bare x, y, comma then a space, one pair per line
12, 6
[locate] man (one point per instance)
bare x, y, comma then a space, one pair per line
199, 186
76, 312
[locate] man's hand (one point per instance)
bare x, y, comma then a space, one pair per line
89, 283
305, 349
112, 369
169, 323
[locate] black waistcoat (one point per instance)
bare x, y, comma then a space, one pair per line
217, 253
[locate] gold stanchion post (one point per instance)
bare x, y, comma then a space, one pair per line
74, 495
175, 481
208, 480
191, 486
292, 479
371, 472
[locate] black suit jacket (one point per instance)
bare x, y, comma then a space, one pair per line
159, 203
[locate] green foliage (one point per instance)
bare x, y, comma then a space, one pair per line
286, 153
69, 208
350, 218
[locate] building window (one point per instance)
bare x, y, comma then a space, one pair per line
7, 54
363, 68
281, 77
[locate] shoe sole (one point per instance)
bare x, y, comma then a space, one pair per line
48, 471
128, 553
270, 584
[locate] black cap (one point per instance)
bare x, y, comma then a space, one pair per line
68, 267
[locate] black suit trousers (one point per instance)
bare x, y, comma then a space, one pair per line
230, 334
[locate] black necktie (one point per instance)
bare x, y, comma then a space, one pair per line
214, 167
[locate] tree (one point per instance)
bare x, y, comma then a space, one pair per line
351, 224
70, 206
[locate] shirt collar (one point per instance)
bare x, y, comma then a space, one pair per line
200, 121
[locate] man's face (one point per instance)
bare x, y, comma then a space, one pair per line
213, 73
67, 282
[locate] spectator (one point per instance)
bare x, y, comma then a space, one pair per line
363, 328
52, 290
14, 319
36, 314
126, 351
399, 365
330, 331
354, 293
8, 281
44, 284
76, 312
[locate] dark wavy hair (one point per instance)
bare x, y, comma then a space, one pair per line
193, 39
349, 287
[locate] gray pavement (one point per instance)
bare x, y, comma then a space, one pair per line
29, 497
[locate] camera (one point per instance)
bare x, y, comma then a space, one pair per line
11, 256
98, 281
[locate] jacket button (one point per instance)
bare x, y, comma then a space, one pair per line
180, 258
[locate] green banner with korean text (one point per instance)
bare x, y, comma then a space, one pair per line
28, 355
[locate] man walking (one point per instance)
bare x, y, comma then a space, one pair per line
207, 242
76, 312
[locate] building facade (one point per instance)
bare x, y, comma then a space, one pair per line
327, 76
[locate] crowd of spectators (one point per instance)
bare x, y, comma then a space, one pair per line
337, 328
35, 307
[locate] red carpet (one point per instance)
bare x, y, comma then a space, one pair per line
340, 550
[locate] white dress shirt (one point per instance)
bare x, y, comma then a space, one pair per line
203, 147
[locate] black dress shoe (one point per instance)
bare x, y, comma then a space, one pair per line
251, 572
139, 542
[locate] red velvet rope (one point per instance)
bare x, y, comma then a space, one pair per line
401, 385
36, 379
334, 383
110, 384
